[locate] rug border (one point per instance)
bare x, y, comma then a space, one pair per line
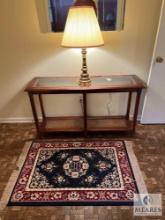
101, 203
5, 199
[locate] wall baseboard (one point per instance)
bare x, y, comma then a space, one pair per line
31, 120
17, 120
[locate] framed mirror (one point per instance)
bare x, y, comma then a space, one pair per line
52, 14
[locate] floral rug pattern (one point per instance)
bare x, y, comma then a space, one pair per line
72, 172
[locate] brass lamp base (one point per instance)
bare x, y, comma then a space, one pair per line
84, 83
84, 77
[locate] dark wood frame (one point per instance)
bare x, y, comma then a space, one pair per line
84, 123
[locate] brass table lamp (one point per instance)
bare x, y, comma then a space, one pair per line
82, 31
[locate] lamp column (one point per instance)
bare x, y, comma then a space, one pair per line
84, 77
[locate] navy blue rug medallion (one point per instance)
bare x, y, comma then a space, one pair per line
75, 173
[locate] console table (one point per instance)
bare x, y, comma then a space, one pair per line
69, 85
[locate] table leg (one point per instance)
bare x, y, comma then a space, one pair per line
35, 116
136, 110
129, 105
85, 113
42, 106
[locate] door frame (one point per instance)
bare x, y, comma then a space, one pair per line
162, 10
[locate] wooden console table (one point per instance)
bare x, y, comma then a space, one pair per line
69, 85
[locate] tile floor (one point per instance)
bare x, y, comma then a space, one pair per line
149, 148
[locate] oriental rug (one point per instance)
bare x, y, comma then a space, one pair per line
101, 172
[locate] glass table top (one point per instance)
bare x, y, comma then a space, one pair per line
96, 81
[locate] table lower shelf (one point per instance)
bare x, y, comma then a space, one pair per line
75, 124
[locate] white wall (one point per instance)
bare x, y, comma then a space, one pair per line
25, 53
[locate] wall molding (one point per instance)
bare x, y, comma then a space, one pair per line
17, 120
31, 120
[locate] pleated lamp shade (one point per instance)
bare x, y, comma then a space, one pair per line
82, 29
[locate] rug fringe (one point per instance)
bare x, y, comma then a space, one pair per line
12, 180
135, 167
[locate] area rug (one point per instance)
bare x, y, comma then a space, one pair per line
78, 173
